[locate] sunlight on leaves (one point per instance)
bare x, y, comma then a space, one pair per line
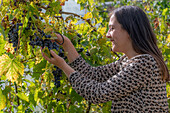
23, 96
102, 30
88, 15
2, 100
168, 38
11, 68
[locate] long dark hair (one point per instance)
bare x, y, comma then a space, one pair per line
134, 20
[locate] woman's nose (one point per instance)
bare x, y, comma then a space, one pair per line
108, 35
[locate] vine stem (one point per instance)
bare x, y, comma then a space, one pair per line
20, 34
87, 20
16, 91
28, 59
68, 105
10, 98
69, 13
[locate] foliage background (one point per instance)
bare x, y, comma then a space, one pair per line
20, 94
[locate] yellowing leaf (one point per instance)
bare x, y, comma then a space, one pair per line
73, 22
2, 100
62, 0
88, 15
9, 47
48, 29
102, 30
168, 38
165, 11
12, 69
36, 95
5, 62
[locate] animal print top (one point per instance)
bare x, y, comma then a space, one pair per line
133, 85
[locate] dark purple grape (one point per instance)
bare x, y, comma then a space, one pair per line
87, 53
39, 9
30, 19
79, 35
13, 35
81, 49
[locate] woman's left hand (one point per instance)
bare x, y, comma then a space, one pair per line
56, 60
59, 62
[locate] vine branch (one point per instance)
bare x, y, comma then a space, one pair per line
10, 98
16, 91
69, 13
28, 59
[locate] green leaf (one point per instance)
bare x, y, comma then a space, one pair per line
38, 69
85, 43
167, 51
2, 31
75, 97
75, 109
2, 44
164, 11
2, 100
22, 96
31, 99
20, 109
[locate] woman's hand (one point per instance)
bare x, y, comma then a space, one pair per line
61, 39
68, 47
56, 60
59, 62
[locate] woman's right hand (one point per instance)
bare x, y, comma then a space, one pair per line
61, 39
68, 47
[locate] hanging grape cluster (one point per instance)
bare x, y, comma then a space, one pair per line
13, 35
38, 40
57, 74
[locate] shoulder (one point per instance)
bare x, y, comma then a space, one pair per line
143, 58
145, 61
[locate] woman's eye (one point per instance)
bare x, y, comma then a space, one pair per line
111, 28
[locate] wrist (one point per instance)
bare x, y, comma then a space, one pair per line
67, 69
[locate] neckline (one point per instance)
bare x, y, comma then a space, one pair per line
136, 56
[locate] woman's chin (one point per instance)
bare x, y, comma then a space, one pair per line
114, 49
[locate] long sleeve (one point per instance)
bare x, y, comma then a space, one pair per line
135, 74
100, 73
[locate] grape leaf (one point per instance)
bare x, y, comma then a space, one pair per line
11, 68
2, 100
38, 69
2, 44
2, 31
168, 38
75, 97
23, 96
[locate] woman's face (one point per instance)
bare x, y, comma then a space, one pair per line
119, 37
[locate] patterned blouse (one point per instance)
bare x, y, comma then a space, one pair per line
133, 85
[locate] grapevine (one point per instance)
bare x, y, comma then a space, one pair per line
27, 26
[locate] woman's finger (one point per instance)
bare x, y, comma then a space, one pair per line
54, 54
47, 58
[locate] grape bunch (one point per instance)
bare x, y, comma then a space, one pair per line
50, 45
13, 35
57, 74
43, 40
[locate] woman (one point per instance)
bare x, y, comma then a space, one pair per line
134, 83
